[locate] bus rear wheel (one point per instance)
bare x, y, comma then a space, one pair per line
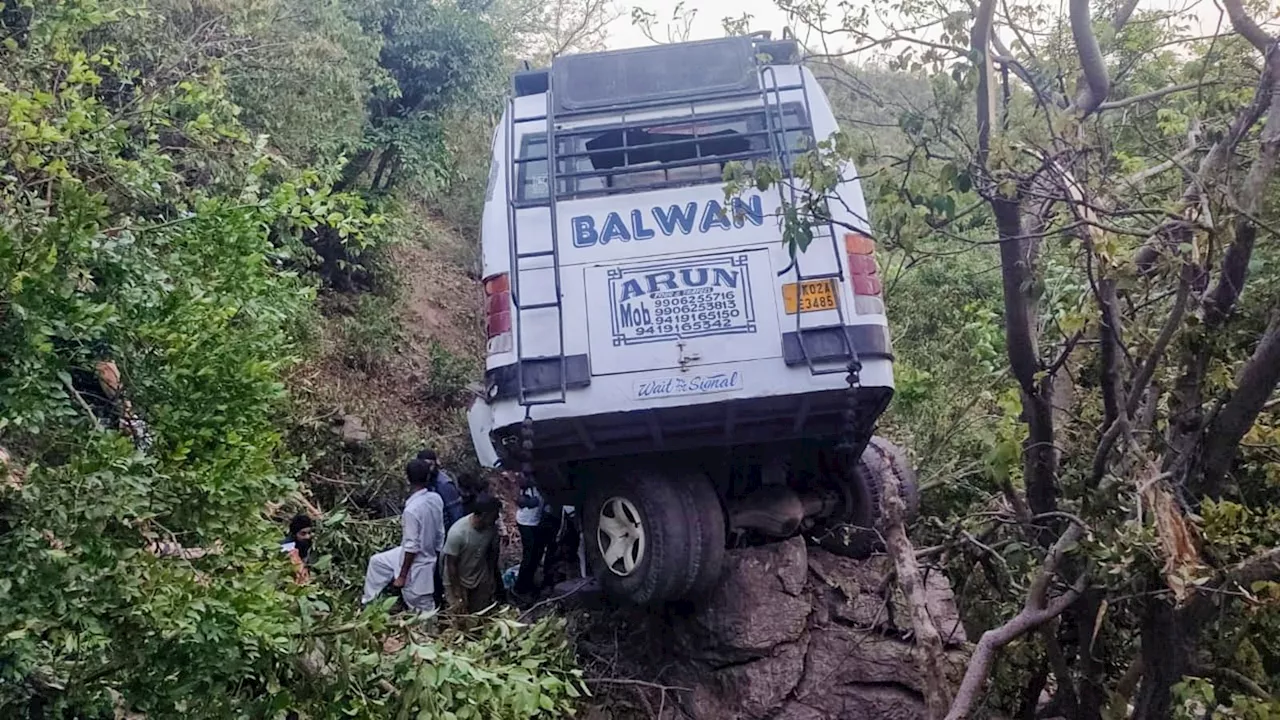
653, 536
856, 531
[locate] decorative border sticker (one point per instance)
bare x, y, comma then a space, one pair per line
681, 299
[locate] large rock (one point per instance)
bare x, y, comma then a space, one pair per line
795, 633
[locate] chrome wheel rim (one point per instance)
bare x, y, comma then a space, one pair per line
620, 536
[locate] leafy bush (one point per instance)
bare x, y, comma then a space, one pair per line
141, 222
447, 376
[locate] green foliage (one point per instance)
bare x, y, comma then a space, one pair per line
437, 57
448, 376
143, 221
371, 333
301, 71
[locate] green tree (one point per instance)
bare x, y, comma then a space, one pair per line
437, 56
1102, 474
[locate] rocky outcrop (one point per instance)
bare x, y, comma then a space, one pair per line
796, 633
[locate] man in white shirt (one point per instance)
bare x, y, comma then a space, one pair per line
411, 566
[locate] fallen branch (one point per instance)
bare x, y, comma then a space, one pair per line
641, 683
542, 603
928, 645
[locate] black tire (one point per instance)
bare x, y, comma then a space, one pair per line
856, 531
708, 514
670, 556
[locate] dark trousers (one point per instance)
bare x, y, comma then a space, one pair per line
534, 540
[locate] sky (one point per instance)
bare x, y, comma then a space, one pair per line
706, 22
767, 16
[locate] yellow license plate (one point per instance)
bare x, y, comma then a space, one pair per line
818, 295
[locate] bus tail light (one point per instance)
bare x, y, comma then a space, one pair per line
864, 275
497, 313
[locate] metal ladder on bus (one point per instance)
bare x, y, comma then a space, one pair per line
515, 206
781, 154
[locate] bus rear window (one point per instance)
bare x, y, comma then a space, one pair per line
658, 154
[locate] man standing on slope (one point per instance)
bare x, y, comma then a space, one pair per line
470, 558
441, 484
411, 567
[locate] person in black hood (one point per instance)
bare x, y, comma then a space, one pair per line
298, 543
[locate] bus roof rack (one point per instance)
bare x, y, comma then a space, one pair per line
530, 82
679, 69
778, 52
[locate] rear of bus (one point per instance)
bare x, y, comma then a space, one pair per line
631, 307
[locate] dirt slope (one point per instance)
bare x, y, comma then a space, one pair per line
399, 360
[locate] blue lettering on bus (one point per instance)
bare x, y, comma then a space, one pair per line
670, 220
614, 229
676, 217
638, 230
584, 231
715, 216
679, 280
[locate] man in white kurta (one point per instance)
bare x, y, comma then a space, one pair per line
411, 566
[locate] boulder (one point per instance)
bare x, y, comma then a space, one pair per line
350, 429
796, 633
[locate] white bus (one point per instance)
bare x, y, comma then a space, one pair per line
654, 352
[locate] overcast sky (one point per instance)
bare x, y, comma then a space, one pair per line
767, 16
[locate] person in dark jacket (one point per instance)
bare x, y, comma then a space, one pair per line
445, 487
441, 484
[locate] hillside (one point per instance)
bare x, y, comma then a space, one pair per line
239, 284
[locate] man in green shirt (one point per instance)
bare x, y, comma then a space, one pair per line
470, 555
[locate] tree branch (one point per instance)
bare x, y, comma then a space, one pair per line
1037, 610
1153, 95
1254, 384
1247, 28
927, 638
1171, 324
1123, 13
1173, 231
980, 45
1260, 567
1094, 68
1235, 265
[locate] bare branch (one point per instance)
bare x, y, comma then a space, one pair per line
1097, 83
1153, 95
1171, 325
1261, 567
980, 44
1247, 28
1172, 232
928, 640
1234, 678
1235, 265
1123, 13
1142, 176
1038, 610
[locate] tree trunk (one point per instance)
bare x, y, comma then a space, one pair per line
1166, 651
1091, 691
383, 163
354, 169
